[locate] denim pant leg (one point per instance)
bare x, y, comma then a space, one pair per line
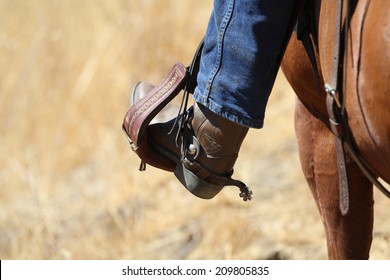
239, 62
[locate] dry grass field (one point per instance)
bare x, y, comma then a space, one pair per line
69, 184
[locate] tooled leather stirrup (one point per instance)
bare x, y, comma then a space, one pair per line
145, 109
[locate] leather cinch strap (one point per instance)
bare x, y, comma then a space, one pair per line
336, 113
335, 102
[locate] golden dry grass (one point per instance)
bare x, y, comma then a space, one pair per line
69, 184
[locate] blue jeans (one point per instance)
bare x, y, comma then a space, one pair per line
242, 50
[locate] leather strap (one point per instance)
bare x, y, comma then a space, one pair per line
204, 174
339, 134
338, 116
306, 33
335, 109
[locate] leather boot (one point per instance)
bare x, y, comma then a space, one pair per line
219, 138
205, 149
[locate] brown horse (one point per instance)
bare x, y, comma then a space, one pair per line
367, 100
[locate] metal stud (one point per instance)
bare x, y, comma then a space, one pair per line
192, 149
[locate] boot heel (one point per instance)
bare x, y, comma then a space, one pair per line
194, 184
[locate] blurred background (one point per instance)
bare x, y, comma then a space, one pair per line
69, 184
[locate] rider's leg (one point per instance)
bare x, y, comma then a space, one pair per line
244, 44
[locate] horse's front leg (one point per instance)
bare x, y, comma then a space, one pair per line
348, 237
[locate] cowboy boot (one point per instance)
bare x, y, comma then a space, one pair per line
204, 147
219, 138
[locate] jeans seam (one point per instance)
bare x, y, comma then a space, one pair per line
221, 35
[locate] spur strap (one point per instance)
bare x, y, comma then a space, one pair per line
212, 178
